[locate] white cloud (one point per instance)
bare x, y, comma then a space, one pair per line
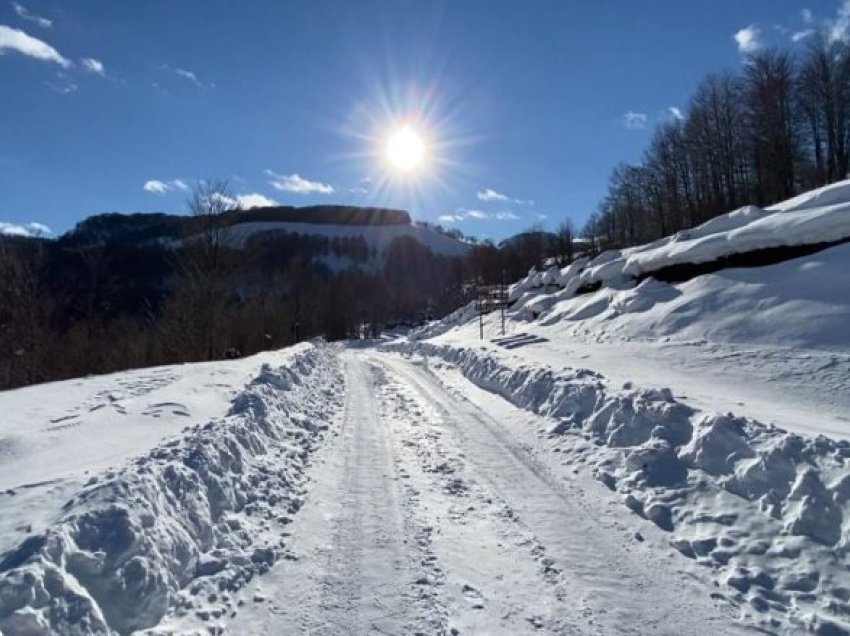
186, 74
29, 229
62, 89
225, 200
92, 65
808, 16
16, 40
747, 39
635, 121
189, 75
155, 186
488, 194
676, 113
477, 215
358, 190
24, 14
254, 200
802, 35
491, 195
298, 184
839, 27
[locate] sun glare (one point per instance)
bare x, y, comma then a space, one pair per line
406, 150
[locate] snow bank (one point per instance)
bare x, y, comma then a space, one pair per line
182, 527
439, 327
803, 302
768, 510
821, 216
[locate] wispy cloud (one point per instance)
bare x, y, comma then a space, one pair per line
747, 39
24, 14
635, 121
187, 75
20, 42
808, 16
802, 35
92, 65
27, 229
63, 89
676, 113
477, 215
491, 195
839, 27
298, 184
155, 186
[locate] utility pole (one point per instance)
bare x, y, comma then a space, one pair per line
480, 312
503, 299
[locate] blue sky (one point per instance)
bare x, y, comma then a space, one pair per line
524, 107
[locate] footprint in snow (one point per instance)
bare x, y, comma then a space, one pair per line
474, 596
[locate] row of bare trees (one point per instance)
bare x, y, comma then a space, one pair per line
87, 303
779, 127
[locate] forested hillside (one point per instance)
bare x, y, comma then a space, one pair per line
778, 127
121, 291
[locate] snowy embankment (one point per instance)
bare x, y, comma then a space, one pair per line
755, 310
768, 510
182, 527
820, 218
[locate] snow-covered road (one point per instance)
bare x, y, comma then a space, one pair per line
426, 514
419, 488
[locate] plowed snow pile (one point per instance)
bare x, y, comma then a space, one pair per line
182, 527
767, 509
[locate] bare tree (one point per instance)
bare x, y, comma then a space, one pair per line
192, 318
565, 239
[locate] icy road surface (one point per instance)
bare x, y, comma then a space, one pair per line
428, 513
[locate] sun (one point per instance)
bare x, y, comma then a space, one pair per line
405, 149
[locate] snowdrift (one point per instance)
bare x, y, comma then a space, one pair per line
801, 298
183, 527
818, 217
768, 510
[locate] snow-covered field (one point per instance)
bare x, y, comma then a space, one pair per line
645, 458
123, 507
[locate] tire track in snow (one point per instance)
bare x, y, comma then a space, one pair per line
358, 551
622, 591
493, 575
